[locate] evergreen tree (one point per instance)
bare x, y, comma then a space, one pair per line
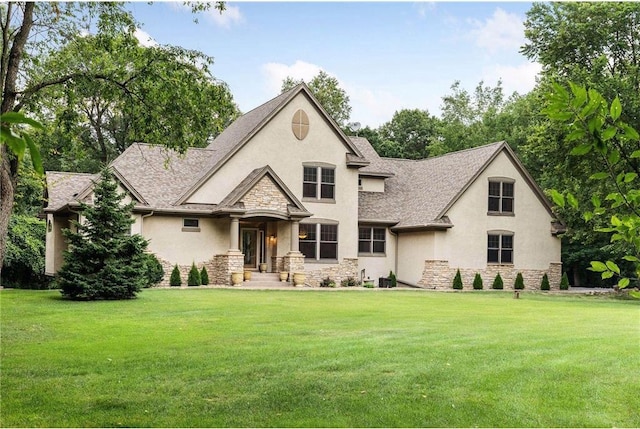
155, 272
104, 260
194, 276
564, 283
519, 283
497, 282
457, 281
175, 279
477, 282
544, 285
204, 276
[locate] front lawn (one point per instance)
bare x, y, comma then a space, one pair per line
237, 358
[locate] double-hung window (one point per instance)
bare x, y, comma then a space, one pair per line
319, 241
371, 240
319, 183
500, 248
500, 197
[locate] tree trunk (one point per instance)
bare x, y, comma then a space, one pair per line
9, 167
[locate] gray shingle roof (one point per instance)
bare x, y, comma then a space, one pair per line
420, 191
62, 188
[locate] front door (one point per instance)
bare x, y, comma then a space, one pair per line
252, 247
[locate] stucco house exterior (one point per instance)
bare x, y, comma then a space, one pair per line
283, 185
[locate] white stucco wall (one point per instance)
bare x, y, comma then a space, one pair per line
372, 184
465, 245
170, 242
379, 266
275, 145
413, 249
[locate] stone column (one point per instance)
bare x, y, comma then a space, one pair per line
295, 231
234, 233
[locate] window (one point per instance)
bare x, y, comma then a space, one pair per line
319, 189
319, 241
191, 224
500, 197
371, 240
500, 249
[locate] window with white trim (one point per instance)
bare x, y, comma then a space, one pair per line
319, 182
501, 196
500, 248
371, 240
318, 241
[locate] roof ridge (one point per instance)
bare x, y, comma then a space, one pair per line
469, 149
71, 172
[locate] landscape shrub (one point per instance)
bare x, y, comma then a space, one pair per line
368, 284
155, 272
519, 283
457, 281
348, 282
564, 283
497, 282
544, 285
193, 279
327, 282
394, 281
477, 282
204, 276
175, 279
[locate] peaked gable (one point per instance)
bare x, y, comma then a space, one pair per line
241, 131
263, 191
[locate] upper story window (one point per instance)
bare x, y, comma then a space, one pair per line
500, 248
501, 196
319, 241
319, 182
371, 240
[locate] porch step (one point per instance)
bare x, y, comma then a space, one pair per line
257, 277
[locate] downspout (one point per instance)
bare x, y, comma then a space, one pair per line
142, 222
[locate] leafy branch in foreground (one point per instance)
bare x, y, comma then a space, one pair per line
597, 129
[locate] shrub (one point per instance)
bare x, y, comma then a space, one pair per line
175, 279
545, 282
457, 281
155, 272
497, 282
368, 284
327, 282
519, 283
394, 281
193, 279
564, 283
349, 281
204, 276
477, 282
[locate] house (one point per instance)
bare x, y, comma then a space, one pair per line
283, 185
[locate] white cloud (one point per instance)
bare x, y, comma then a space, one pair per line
520, 78
228, 17
277, 72
144, 38
372, 107
502, 31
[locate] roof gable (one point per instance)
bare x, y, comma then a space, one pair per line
241, 131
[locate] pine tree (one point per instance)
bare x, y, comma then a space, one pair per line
194, 276
204, 276
457, 281
477, 282
104, 260
175, 279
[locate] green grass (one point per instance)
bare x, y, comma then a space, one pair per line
232, 358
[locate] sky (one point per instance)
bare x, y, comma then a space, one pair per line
387, 56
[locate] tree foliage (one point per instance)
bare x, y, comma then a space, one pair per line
104, 260
596, 129
410, 134
328, 92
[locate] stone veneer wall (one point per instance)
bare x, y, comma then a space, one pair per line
219, 269
348, 267
265, 195
439, 275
